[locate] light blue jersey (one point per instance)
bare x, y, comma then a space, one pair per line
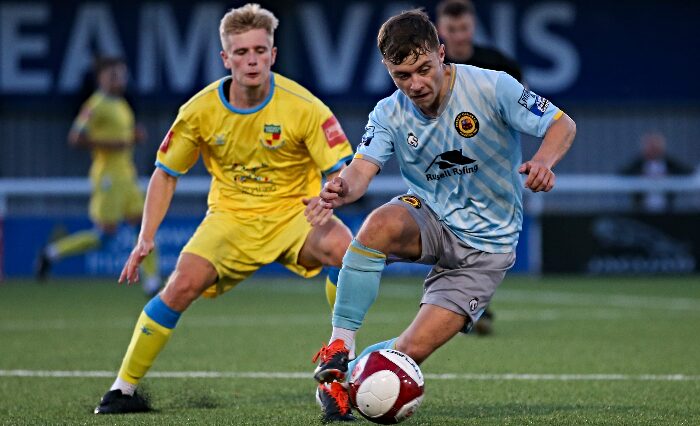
464, 163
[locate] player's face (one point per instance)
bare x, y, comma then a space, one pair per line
113, 79
421, 80
457, 32
249, 56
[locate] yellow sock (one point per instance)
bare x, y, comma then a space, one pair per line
148, 340
331, 285
330, 293
77, 243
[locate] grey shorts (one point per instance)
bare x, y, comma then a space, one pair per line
463, 279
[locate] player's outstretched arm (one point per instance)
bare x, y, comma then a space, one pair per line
350, 185
555, 144
160, 193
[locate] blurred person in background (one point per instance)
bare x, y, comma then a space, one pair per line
456, 24
653, 161
105, 125
267, 142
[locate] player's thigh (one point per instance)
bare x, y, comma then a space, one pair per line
432, 327
229, 246
106, 202
392, 229
325, 245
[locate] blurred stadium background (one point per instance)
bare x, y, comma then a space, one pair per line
619, 69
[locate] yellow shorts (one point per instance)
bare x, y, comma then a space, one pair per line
238, 246
113, 200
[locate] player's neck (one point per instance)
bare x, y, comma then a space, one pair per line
246, 97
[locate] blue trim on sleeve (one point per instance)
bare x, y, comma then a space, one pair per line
224, 98
339, 165
167, 169
161, 313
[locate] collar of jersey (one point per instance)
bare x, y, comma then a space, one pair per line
224, 99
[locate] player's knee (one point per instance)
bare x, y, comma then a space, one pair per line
182, 289
380, 226
337, 249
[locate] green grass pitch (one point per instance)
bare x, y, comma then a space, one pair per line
566, 351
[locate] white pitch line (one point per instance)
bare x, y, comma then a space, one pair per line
308, 376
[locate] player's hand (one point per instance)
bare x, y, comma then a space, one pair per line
333, 192
539, 176
315, 214
130, 272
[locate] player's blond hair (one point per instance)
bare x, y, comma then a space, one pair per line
245, 18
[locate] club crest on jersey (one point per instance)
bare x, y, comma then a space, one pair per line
411, 201
466, 124
273, 136
412, 140
473, 304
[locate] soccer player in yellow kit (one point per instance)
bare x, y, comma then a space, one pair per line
106, 126
266, 142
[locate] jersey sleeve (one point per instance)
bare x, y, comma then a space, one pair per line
377, 144
81, 121
523, 109
326, 141
179, 150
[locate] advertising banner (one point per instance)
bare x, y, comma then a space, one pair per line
621, 244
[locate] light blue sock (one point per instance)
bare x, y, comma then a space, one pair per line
358, 285
387, 344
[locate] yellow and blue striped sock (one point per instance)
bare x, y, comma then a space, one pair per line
152, 332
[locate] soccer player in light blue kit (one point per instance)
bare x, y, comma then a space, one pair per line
454, 130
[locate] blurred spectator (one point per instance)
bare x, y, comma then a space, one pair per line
106, 126
653, 161
456, 23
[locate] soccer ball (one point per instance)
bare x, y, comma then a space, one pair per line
386, 386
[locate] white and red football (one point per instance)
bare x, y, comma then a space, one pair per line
386, 386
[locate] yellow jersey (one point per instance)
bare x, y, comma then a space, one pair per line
262, 159
106, 119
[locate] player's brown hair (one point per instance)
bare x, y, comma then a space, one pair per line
245, 18
454, 8
409, 33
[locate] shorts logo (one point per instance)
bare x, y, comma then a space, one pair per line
473, 304
539, 104
333, 132
412, 140
166, 142
411, 201
273, 136
466, 124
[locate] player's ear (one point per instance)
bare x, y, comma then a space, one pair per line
441, 52
273, 53
224, 58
